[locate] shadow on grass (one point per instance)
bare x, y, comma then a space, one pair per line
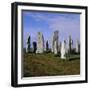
70, 59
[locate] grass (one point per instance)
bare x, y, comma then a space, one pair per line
49, 65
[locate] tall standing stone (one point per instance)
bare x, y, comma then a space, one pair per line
47, 46
55, 42
40, 43
52, 43
28, 44
63, 50
55, 48
59, 47
77, 47
34, 47
70, 44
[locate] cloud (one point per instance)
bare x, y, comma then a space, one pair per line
62, 24
55, 21
65, 23
36, 16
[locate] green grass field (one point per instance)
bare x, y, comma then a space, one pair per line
48, 64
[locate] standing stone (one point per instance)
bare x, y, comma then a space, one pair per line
55, 48
28, 44
34, 47
77, 47
47, 46
40, 43
52, 43
59, 48
63, 50
55, 42
70, 45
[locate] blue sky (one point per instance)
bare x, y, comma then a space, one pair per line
48, 22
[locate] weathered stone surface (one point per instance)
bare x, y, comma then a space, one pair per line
70, 43
77, 46
40, 43
34, 47
28, 44
55, 38
55, 48
47, 45
63, 50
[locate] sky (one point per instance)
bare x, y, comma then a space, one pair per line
48, 22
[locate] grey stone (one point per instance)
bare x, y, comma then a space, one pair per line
70, 43
40, 43
63, 50
55, 42
55, 48
28, 44
77, 46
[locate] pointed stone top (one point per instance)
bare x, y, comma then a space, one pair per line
28, 34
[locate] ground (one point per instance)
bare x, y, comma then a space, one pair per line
48, 64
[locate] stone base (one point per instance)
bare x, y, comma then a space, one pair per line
63, 57
39, 51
